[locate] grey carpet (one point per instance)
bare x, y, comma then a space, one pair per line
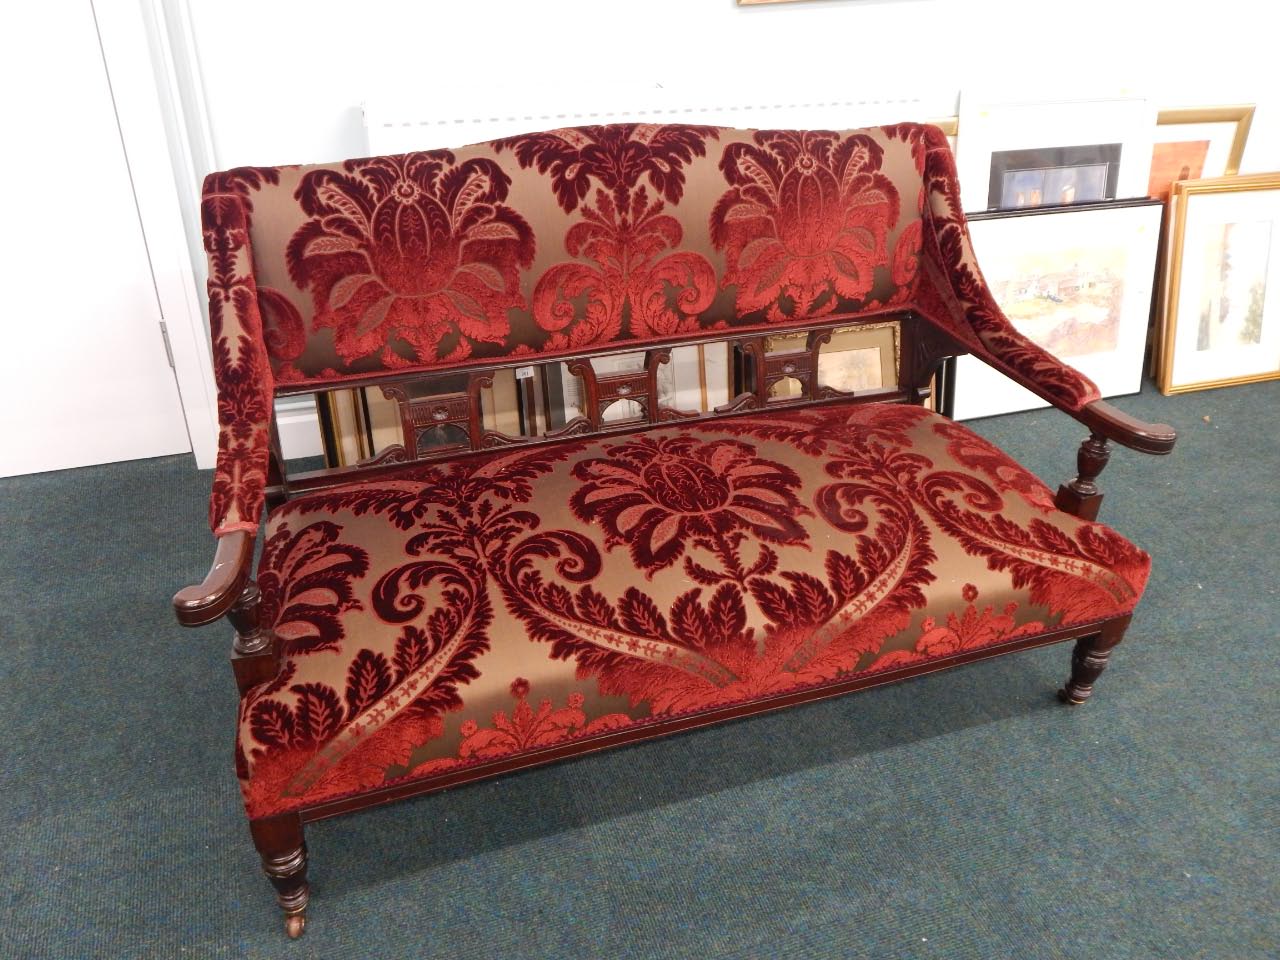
959, 815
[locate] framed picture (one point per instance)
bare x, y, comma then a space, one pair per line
1076, 280
1221, 321
1053, 176
1018, 154
1196, 142
949, 126
856, 358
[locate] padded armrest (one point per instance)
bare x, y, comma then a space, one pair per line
954, 296
209, 600
245, 383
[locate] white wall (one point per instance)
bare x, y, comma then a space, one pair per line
284, 81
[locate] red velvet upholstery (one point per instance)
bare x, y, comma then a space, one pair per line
552, 243
240, 364
501, 603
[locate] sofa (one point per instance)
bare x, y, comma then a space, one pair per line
441, 613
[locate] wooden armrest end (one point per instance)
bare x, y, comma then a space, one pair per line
206, 602
1107, 421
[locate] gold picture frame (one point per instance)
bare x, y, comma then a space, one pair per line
1241, 114
1174, 159
948, 125
877, 345
1172, 380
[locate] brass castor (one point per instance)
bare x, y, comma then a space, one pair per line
1065, 696
294, 924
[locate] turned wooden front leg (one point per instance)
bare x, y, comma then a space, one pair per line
1081, 497
283, 850
1089, 659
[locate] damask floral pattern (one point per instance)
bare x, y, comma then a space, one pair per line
970, 629
239, 361
305, 578
809, 540
527, 728
657, 494
424, 260
805, 222
345, 735
415, 248
636, 275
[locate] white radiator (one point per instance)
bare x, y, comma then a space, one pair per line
473, 115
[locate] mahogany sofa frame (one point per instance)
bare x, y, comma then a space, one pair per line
229, 589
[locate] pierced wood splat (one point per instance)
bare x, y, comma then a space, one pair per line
418, 414
758, 372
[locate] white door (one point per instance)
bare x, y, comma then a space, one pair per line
84, 374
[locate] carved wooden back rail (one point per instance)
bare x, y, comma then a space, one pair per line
921, 350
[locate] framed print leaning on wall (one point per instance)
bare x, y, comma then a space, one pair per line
1196, 142
1014, 154
1053, 176
1222, 293
1076, 280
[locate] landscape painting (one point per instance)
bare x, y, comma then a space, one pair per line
851, 370
1067, 300
1077, 281
1221, 320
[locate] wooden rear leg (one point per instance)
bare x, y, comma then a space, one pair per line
1089, 659
283, 850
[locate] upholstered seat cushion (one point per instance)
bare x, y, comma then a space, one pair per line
470, 610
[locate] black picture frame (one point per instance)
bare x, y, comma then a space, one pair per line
951, 373
1092, 170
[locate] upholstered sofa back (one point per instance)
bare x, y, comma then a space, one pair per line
558, 242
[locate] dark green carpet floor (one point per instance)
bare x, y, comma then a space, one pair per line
960, 815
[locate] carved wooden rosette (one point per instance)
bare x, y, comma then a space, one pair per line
762, 370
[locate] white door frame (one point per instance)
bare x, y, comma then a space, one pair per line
128, 51
154, 65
